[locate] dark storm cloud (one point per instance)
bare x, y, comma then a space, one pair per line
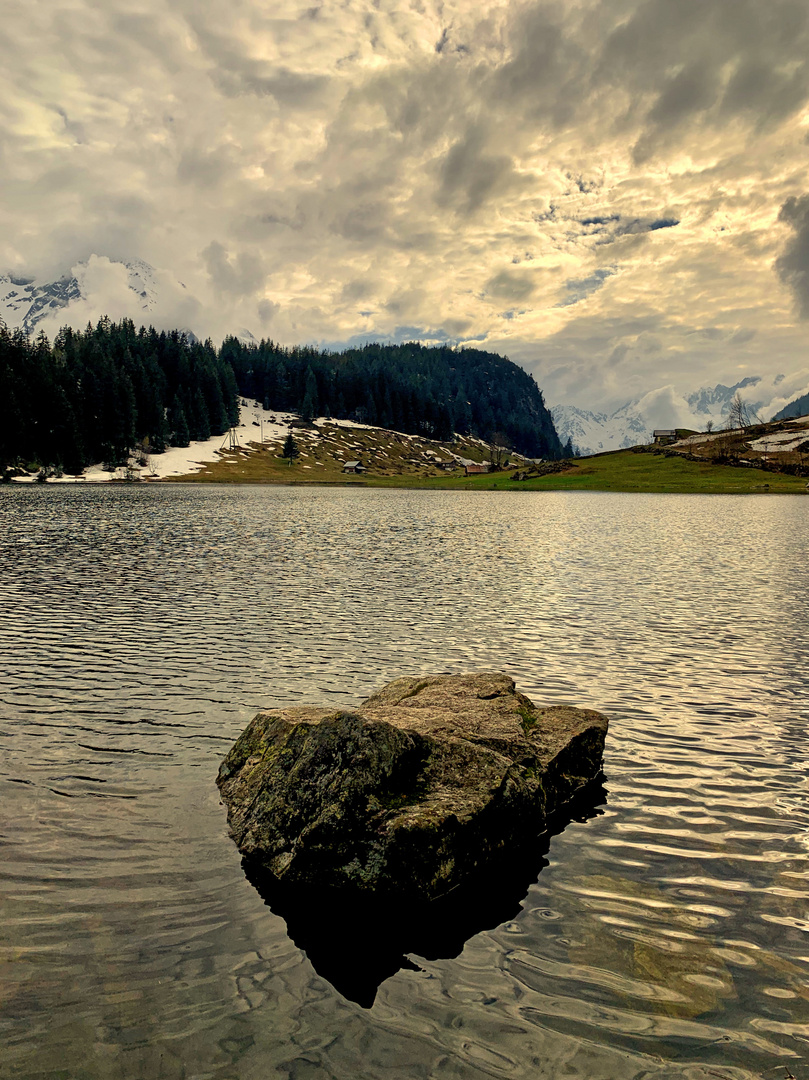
237, 71
289, 88
793, 264
704, 61
242, 274
470, 175
508, 285
610, 227
632, 226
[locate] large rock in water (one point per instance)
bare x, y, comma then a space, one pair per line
424, 785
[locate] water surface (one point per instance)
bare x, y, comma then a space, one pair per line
141, 628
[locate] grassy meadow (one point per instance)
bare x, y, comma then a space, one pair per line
618, 471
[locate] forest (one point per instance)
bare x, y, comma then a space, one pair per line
798, 407
94, 395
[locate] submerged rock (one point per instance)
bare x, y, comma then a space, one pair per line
427, 783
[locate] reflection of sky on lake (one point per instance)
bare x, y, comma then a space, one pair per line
142, 628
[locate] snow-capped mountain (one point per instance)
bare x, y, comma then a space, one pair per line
23, 303
634, 422
594, 432
26, 303
714, 401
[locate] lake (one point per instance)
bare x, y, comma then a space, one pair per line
141, 627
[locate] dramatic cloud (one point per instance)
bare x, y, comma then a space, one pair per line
793, 265
612, 192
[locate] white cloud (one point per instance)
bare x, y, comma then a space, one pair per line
665, 408
509, 172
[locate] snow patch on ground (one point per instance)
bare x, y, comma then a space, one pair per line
255, 426
779, 442
702, 437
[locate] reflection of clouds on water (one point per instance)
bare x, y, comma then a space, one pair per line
142, 628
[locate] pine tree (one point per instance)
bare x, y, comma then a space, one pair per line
290, 451
180, 435
309, 408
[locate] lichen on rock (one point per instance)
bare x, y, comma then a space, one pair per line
420, 787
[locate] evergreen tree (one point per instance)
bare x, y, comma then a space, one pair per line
178, 425
200, 427
290, 451
309, 408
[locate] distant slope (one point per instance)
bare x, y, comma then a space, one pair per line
430, 392
93, 395
798, 407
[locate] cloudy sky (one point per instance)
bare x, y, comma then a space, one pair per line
615, 194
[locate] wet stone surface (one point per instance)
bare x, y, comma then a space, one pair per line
428, 782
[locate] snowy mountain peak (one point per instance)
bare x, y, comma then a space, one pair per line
26, 303
596, 432
141, 279
634, 422
709, 400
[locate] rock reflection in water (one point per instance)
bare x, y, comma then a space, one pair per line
355, 941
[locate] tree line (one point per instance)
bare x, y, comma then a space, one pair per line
94, 395
413, 388
798, 407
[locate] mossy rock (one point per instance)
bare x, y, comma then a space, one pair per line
420, 787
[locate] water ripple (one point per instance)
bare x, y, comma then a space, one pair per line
142, 627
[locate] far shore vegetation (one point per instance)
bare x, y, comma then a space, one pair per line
114, 390
387, 416
619, 471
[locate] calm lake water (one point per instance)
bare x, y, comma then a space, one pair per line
140, 630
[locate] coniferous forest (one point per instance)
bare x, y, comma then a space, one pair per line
92, 396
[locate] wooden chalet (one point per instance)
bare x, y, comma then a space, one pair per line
663, 436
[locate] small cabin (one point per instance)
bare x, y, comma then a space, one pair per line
472, 470
354, 467
663, 436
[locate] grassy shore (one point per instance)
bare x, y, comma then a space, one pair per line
622, 470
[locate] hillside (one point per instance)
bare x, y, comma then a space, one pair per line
431, 392
325, 446
96, 395
396, 460
631, 472
778, 446
797, 408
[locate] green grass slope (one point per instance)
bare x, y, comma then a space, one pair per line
397, 461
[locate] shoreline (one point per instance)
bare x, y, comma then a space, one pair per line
729, 481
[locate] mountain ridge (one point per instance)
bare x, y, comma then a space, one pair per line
633, 423
26, 303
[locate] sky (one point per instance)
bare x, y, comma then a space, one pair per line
613, 194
